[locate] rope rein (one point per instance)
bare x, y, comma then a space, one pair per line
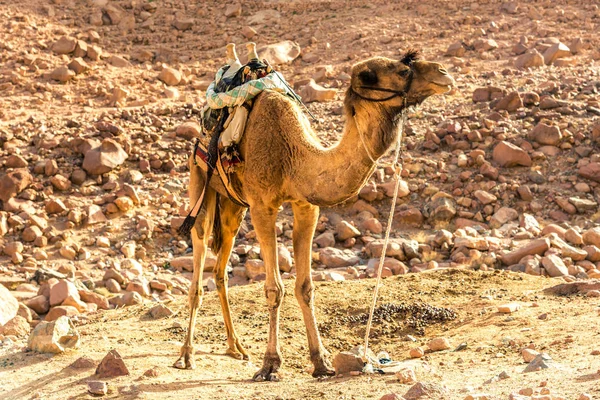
397, 170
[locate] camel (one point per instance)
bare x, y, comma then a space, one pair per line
284, 161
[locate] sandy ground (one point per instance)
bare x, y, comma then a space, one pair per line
494, 341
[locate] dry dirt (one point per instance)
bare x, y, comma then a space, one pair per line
33, 108
494, 340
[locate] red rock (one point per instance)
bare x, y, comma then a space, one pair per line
62, 290
554, 266
14, 183
592, 236
556, 51
439, 344
508, 155
546, 134
9, 306
315, 92
408, 217
188, 130
538, 246
511, 102
104, 158
532, 58
18, 326
39, 304
94, 298
59, 311
283, 52
590, 171
64, 45
170, 76
112, 365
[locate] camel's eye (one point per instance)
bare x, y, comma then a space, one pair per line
405, 72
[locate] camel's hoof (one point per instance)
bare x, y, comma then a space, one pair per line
238, 355
186, 361
323, 372
265, 374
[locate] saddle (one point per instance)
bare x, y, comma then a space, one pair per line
229, 102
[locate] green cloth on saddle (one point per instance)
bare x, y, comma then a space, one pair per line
247, 91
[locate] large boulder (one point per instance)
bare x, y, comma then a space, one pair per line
8, 305
14, 183
104, 158
53, 337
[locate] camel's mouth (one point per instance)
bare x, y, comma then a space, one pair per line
443, 82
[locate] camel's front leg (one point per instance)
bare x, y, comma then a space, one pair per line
263, 219
231, 217
305, 222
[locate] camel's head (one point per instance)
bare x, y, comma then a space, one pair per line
389, 82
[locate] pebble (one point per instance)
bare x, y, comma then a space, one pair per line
97, 388
112, 365
439, 344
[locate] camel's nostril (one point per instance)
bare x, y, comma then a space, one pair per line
442, 71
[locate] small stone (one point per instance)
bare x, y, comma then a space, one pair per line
14, 183
112, 365
509, 308
529, 355
325, 239
508, 155
406, 376
183, 24
313, 92
53, 337
541, 361
555, 266
556, 51
346, 361
439, 344
97, 388
512, 102
546, 134
425, 390
118, 62
62, 74
18, 326
64, 45
416, 352
61, 311
83, 363
531, 59
104, 158
188, 130
248, 32
336, 258
170, 76
233, 10
280, 53
78, 66
160, 311
538, 246
345, 231
61, 290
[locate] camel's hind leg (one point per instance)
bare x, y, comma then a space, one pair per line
200, 233
305, 222
231, 217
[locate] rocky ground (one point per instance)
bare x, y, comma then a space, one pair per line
99, 108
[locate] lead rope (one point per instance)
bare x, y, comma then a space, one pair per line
368, 366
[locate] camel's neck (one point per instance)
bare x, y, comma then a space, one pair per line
338, 173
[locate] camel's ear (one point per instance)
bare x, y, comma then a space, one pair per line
368, 77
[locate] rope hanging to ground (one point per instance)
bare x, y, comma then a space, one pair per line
397, 171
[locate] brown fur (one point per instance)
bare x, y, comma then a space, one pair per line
285, 162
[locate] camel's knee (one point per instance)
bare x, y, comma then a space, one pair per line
274, 296
195, 296
304, 292
221, 283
